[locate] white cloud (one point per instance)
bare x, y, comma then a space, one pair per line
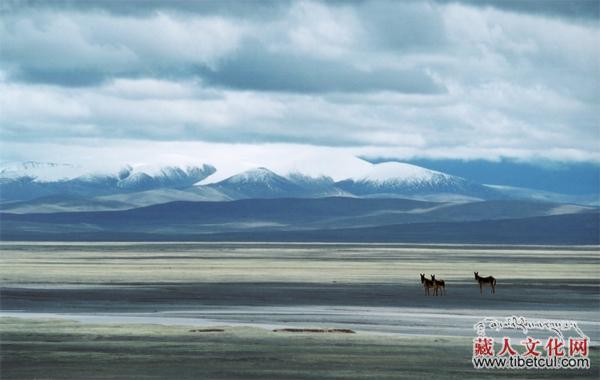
315, 29
115, 45
515, 85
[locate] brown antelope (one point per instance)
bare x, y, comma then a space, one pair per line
427, 283
438, 285
485, 281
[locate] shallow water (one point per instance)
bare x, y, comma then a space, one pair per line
379, 320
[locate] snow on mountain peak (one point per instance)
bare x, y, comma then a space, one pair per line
51, 171
399, 171
367, 179
256, 175
42, 171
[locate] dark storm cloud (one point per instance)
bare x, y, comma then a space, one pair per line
588, 10
403, 26
67, 78
245, 9
254, 68
76, 49
575, 9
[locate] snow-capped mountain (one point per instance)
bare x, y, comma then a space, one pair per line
144, 178
390, 179
27, 181
31, 180
257, 183
396, 178
322, 186
264, 183
44, 171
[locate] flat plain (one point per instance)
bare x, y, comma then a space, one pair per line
110, 310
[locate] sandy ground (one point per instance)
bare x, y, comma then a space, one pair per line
252, 289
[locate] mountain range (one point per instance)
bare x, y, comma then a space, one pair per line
386, 202
334, 219
29, 180
51, 187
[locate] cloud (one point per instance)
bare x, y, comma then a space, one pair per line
308, 50
79, 49
402, 79
139, 8
584, 10
253, 69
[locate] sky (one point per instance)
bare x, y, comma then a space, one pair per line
299, 84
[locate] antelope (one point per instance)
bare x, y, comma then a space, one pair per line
485, 281
427, 283
438, 285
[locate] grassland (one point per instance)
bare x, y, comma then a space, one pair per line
177, 262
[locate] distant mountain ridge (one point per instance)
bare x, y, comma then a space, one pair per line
338, 219
404, 179
386, 202
131, 187
26, 183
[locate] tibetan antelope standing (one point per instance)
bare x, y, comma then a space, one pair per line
439, 285
485, 281
427, 283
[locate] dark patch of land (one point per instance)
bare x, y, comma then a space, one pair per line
146, 297
322, 331
206, 330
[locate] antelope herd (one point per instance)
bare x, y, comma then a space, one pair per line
437, 287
